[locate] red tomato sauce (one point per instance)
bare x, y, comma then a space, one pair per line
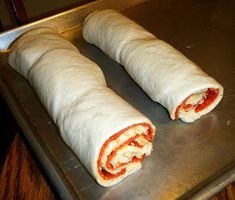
210, 96
105, 174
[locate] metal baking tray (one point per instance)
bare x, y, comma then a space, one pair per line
189, 160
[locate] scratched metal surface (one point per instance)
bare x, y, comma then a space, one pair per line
189, 160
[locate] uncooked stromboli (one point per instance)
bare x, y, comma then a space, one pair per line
165, 74
109, 136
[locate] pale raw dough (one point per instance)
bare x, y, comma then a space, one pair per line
107, 40
73, 90
32, 45
165, 74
